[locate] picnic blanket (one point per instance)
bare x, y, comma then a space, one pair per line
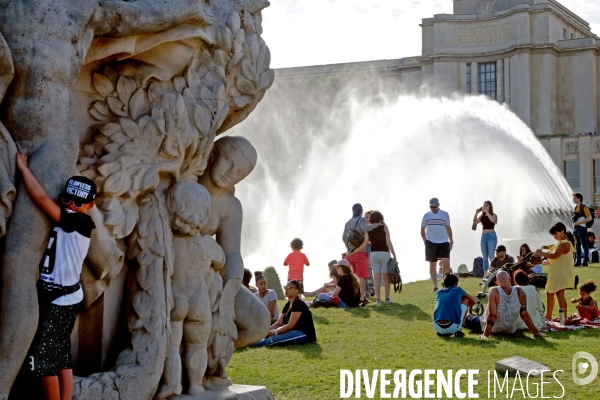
573, 322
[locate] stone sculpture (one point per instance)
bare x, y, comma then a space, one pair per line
132, 94
191, 318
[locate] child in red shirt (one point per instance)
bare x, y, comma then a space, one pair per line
296, 260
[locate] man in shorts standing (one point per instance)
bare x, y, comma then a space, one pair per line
437, 236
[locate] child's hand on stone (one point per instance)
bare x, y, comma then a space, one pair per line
21, 161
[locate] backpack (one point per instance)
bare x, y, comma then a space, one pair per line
478, 267
394, 276
581, 213
354, 237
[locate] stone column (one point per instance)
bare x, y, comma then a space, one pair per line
586, 165
520, 86
474, 78
500, 81
507, 80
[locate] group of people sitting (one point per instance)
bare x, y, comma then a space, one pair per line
514, 304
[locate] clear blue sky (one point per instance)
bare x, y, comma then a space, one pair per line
312, 32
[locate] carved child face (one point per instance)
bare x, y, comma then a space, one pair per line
229, 168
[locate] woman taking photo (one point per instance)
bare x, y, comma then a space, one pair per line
381, 245
562, 271
485, 215
295, 324
267, 296
347, 291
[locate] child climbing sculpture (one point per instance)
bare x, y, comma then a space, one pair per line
48, 41
191, 318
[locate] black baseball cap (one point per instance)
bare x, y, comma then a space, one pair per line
501, 248
79, 189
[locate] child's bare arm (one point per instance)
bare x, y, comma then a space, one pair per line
120, 18
36, 191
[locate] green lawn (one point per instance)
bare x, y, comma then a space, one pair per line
400, 336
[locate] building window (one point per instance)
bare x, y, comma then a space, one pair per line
468, 78
572, 36
596, 176
572, 174
487, 79
564, 33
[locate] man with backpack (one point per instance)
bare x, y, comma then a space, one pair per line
582, 220
355, 239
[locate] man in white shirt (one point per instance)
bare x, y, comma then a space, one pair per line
437, 236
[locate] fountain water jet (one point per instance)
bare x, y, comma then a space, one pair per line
394, 156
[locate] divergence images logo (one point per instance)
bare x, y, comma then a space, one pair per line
582, 367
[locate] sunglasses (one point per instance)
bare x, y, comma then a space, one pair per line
77, 204
288, 287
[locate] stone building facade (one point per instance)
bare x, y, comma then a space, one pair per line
536, 56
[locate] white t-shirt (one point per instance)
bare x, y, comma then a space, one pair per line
269, 297
436, 224
67, 248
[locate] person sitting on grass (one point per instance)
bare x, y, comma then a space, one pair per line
535, 306
246, 281
587, 307
295, 324
500, 260
524, 249
347, 291
329, 286
451, 305
505, 304
267, 296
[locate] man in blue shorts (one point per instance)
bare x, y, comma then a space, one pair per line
437, 236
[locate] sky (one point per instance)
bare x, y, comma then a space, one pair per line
313, 32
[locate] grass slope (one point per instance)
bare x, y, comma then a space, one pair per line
400, 336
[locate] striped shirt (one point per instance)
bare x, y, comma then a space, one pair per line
436, 224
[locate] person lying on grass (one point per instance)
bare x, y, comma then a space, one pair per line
505, 304
295, 324
451, 305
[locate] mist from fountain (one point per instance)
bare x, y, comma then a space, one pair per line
391, 155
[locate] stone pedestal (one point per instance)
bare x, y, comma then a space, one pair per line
233, 392
523, 365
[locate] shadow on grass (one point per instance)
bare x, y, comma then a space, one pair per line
408, 312
318, 319
359, 311
310, 350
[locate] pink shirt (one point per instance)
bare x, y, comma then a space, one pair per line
296, 260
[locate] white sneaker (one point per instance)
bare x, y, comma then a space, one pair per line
378, 301
387, 301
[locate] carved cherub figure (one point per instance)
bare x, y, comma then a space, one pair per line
49, 41
191, 318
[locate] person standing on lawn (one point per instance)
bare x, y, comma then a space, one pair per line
296, 261
562, 272
356, 253
581, 216
437, 237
